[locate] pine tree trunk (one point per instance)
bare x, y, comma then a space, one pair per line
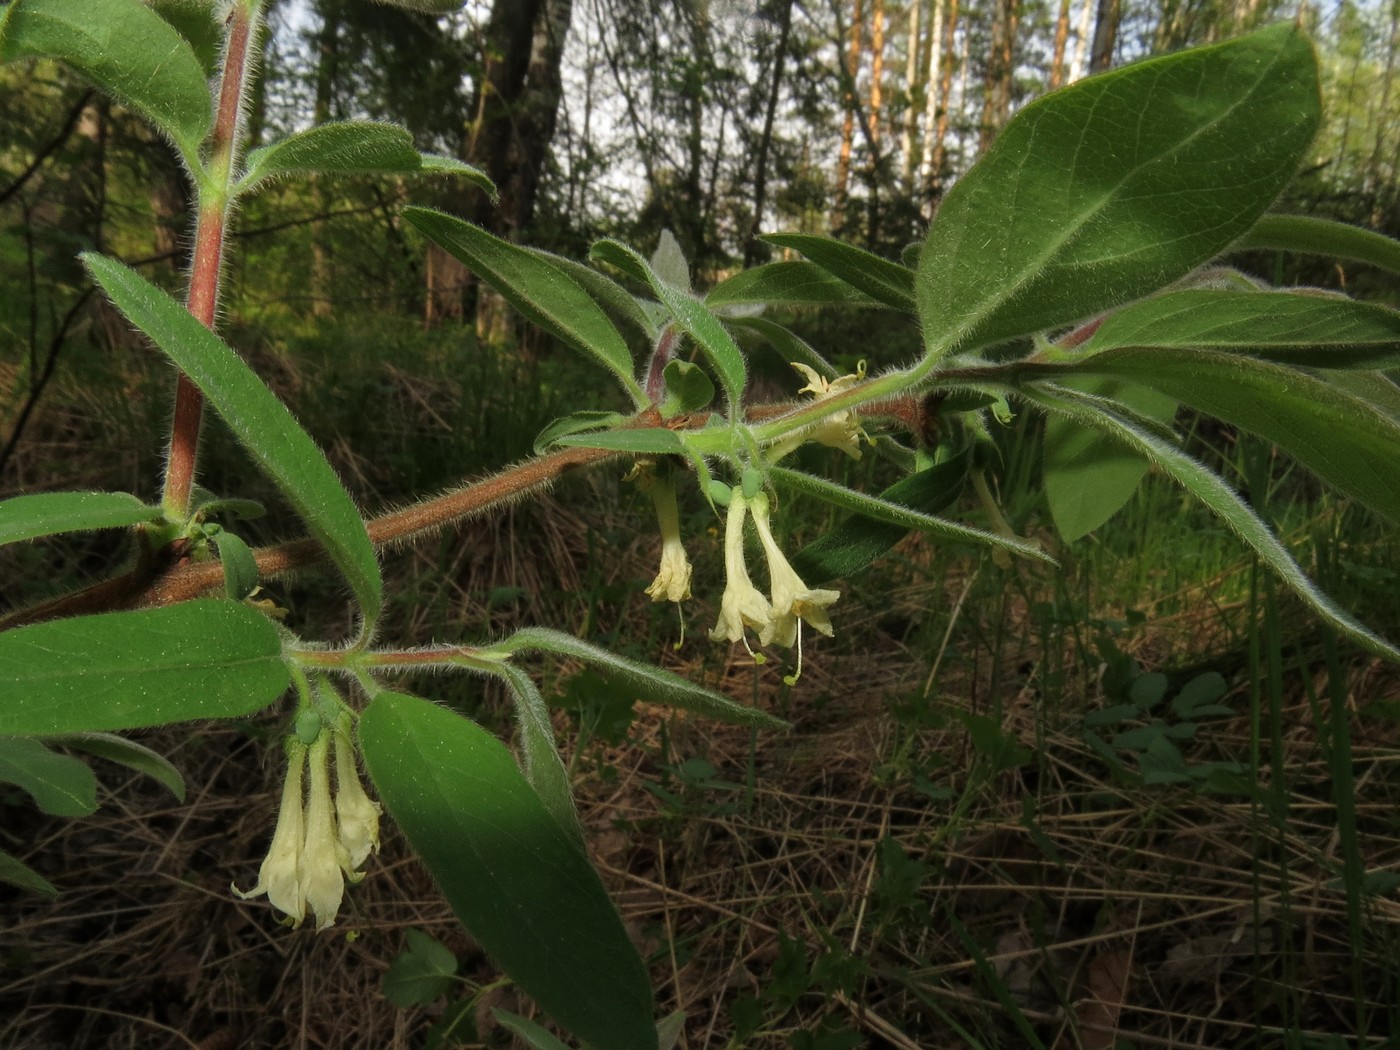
327, 70
1105, 35
753, 247
915, 81
848, 122
937, 156
1057, 58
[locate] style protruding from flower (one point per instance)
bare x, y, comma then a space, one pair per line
742, 605
792, 600
672, 583
319, 841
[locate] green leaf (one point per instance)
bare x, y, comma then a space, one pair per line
61, 785
1297, 233
1089, 477
796, 283
202, 659
240, 567
1374, 388
657, 440
198, 23
1343, 440
850, 547
124, 48
544, 768
905, 517
652, 684
690, 313
517, 880
420, 973
352, 147
882, 280
1212, 491
130, 754
435, 164
534, 285
1319, 331
1108, 190
790, 348
431, 7
575, 423
17, 873
688, 389
534, 1035
255, 415
669, 263
607, 292
49, 513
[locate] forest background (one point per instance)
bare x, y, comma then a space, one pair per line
939, 855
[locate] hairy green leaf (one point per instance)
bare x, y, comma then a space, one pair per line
859, 540
1089, 477
518, 881
125, 670
1343, 440
1320, 331
260, 421
49, 513
657, 440
1110, 189
60, 785
130, 754
688, 389
791, 348
239, 565
884, 281
796, 283
17, 873
540, 290
575, 423
124, 48
908, 518
544, 768
352, 147
1212, 491
1298, 233
652, 684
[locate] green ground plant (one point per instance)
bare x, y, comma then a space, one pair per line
1075, 272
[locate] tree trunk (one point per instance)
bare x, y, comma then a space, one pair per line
514, 116
848, 122
937, 157
996, 99
915, 80
1105, 35
877, 66
753, 247
1057, 59
1081, 40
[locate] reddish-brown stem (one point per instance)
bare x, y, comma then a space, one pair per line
203, 296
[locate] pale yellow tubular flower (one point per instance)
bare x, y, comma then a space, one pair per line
793, 600
672, 583
356, 814
321, 881
742, 604
840, 429
280, 874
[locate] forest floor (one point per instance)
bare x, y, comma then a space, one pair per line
1013, 810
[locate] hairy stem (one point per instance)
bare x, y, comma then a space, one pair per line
205, 269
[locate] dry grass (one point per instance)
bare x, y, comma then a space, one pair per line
1174, 918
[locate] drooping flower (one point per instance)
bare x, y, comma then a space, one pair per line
792, 599
322, 855
742, 604
357, 815
672, 583
280, 874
